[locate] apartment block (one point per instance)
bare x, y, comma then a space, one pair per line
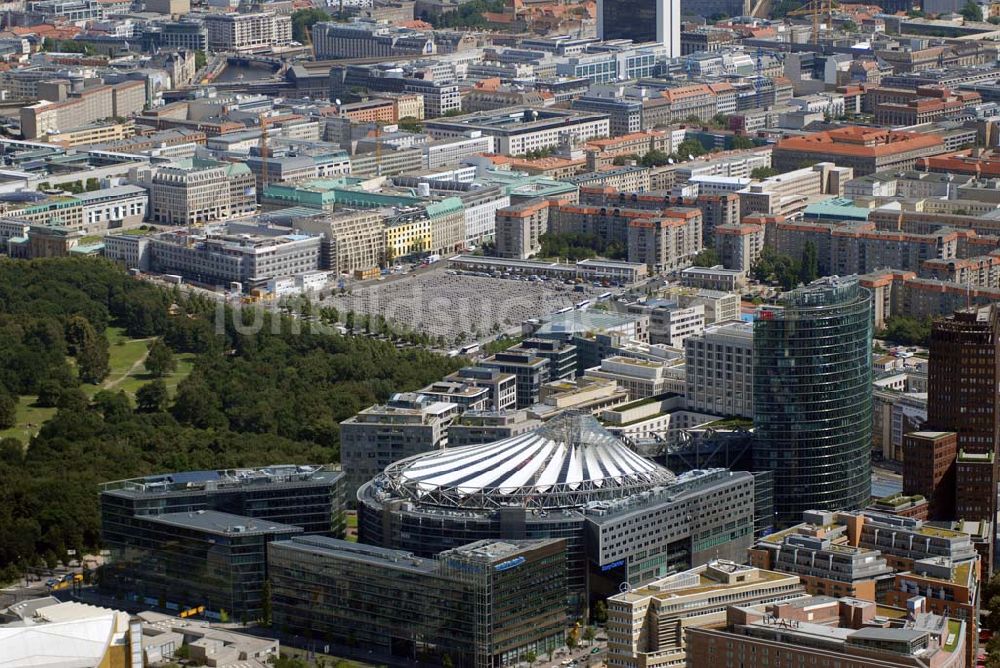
530, 370
929, 470
519, 226
666, 243
826, 556
248, 32
739, 246
642, 378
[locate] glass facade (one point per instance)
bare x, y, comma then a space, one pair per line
483, 605
629, 19
178, 561
813, 397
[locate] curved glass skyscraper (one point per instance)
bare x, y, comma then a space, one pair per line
813, 397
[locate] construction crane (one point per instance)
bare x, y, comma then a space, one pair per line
815, 9
262, 118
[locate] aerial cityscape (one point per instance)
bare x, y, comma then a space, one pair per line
499, 334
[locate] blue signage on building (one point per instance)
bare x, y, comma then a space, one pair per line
613, 564
507, 565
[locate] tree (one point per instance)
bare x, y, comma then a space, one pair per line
907, 330
741, 142
849, 26
601, 612
48, 393
531, 656
8, 410
160, 359
761, 173
265, 603
655, 158
573, 637
200, 59
971, 11
447, 662
707, 257
589, 634
809, 267
92, 359
302, 22
410, 124
92, 184
152, 397
690, 147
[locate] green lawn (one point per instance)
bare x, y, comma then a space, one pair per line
29, 418
127, 371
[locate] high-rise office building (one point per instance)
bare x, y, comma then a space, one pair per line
812, 391
641, 21
962, 398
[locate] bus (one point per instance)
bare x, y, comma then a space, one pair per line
469, 349
582, 305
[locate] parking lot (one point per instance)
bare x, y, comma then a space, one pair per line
460, 306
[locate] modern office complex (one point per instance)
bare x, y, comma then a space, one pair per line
482, 605
198, 538
718, 365
624, 518
406, 425
643, 21
812, 393
962, 398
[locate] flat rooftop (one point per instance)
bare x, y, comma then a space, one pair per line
223, 524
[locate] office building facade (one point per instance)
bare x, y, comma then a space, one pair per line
643, 21
812, 393
482, 605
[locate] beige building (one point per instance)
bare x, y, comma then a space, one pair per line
739, 246
353, 240
790, 192
647, 626
666, 243
199, 191
68, 111
519, 226
248, 32
94, 134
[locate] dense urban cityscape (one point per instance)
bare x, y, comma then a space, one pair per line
499, 333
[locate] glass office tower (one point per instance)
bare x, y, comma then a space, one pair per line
813, 397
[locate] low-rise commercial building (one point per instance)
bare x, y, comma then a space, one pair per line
865, 150
828, 632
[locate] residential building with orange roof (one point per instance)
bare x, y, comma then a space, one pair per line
866, 150
740, 246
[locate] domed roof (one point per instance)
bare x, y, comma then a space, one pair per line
567, 462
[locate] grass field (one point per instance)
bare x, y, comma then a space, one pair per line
29, 418
125, 357
127, 370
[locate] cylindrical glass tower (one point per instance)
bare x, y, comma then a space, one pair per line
813, 397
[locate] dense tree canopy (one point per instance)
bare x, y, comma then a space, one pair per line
578, 246
253, 398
